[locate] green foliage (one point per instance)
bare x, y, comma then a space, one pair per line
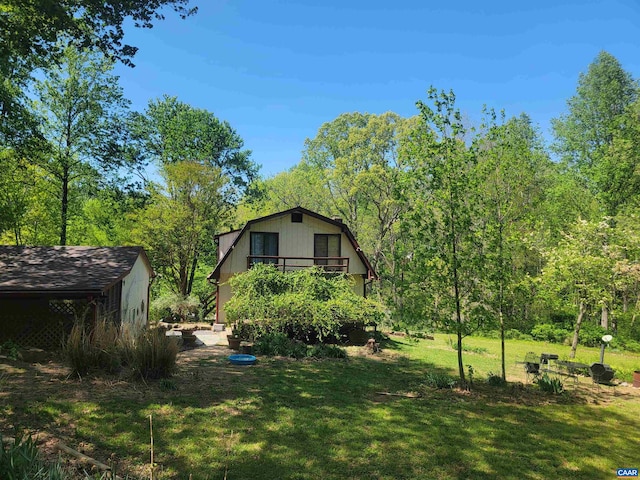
10, 349
495, 380
550, 384
586, 134
31, 32
307, 304
174, 307
439, 380
509, 334
322, 350
279, 344
591, 335
22, 461
545, 332
205, 170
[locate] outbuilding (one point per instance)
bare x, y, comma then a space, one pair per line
43, 290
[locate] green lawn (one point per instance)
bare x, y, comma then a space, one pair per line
285, 419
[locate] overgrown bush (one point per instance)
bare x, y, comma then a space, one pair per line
174, 308
496, 380
550, 384
279, 344
591, 335
439, 380
308, 305
510, 334
321, 350
545, 332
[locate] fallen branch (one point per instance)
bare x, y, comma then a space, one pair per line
405, 395
81, 456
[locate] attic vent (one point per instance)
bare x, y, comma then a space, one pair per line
296, 217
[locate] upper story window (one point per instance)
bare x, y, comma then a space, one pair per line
326, 245
264, 244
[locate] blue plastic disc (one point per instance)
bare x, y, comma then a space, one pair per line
242, 359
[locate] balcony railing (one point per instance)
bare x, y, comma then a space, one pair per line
331, 264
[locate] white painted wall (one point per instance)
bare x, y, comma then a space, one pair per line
134, 305
225, 241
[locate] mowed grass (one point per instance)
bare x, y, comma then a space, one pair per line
283, 419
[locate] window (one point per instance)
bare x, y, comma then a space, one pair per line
264, 243
325, 245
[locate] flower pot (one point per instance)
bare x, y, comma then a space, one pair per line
636, 379
234, 342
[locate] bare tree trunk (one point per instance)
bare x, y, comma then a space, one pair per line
65, 207
576, 331
192, 274
604, 318
456, 288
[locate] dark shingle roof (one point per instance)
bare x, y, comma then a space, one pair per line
32, 270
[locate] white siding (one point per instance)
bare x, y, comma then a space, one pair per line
225, 241
134, 306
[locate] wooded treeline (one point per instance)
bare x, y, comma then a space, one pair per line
470, 226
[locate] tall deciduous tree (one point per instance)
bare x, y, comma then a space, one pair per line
30, 29
205, 170
34, 33
447, 260
579, 271
80, 106
182, 216
172, 131
358, 160
512, 166
604, 93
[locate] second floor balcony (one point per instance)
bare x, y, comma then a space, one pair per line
287, 264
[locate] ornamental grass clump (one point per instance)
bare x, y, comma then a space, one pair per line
153, 354
94, 347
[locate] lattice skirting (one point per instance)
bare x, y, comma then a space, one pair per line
39, 323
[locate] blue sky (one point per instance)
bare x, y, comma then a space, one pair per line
277, 70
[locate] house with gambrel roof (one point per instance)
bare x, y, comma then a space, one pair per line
289, 240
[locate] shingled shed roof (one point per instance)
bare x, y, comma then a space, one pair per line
65, 271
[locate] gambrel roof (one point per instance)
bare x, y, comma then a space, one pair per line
338, 223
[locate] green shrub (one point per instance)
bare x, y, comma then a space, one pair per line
321, 350
10, 349
174, 308
21, 461
439, 380
272, 344
510, 334
545, 332
308, 305
591, 335
279, 344
550, 384
496, 380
